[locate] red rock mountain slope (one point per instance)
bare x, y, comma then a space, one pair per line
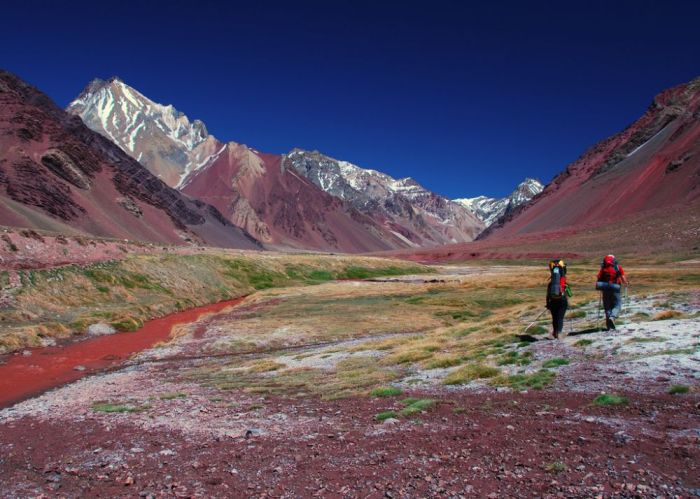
280, 207
652, 168
56, 174
635, 192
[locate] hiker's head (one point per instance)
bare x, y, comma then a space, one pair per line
556, 262
609, 260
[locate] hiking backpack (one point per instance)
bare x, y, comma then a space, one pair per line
610, 270
557, 286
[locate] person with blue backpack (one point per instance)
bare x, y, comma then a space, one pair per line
558, 292
611, 277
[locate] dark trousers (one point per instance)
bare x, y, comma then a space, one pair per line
558, 310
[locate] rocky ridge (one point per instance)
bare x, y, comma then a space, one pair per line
490, 210
159, 136
650, 167
417, 215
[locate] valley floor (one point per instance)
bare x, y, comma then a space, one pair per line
409, 386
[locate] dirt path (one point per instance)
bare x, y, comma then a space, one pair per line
37, 370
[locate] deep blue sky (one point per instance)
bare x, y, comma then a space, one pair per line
466, 98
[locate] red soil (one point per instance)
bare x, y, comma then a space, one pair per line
471, 445
23, 376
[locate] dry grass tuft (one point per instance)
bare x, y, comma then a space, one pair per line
667, 314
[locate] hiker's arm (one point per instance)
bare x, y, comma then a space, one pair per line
623, 277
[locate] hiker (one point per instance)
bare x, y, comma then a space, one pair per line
557, 295
610, 278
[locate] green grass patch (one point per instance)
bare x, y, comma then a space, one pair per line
470, 373
515, 358
556, 362
556, 467
408, 357
356, 272
538, 330
129, 324
443, 362
535, 381
320, 275
610, 399
578, 314
383, 416
583, 343
386, 391
416, 407
678, 389
173, 395
116, 408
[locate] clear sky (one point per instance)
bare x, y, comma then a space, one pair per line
466, 97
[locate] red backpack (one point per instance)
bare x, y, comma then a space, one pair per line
609, 270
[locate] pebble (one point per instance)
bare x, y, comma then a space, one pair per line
621, 437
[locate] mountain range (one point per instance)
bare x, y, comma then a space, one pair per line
117, 164
301, 199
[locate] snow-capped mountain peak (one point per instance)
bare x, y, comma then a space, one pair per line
159, 136
426, 218
489, 210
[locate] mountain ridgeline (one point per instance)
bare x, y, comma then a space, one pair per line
133, 168
491, 210
648, 175
301, 199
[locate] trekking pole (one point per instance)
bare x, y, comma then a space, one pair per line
600, 305
536, 318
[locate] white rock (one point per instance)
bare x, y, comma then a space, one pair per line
100, 329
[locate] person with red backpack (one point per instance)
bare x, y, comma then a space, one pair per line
557, 295
610, 278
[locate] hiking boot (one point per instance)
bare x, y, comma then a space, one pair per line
555, 334
609, 324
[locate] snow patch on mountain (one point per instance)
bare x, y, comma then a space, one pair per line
489, 210
428, 219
